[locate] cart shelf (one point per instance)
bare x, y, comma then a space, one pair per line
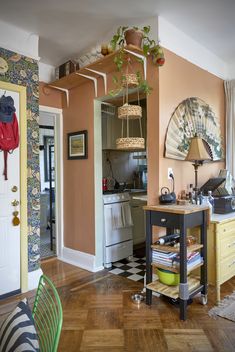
192, 248
172, 291
175, 270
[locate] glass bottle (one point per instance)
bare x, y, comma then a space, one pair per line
206, 201
166, 239
193, 198
211, 200
200, 199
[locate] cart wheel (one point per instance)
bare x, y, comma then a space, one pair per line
204, 299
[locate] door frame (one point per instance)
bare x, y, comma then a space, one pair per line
59, 172
23, 182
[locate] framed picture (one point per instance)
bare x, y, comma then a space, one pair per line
77, 145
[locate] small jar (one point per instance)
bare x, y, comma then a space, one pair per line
191, 240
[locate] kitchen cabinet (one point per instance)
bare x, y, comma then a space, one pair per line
138, 218
111, 130
221, 250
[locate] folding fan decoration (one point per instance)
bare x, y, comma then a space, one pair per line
193, 116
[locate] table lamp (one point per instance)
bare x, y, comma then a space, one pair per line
197, 153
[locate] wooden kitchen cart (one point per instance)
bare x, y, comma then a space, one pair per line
173, 217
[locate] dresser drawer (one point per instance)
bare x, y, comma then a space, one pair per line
227, 268
227, 245
228, 227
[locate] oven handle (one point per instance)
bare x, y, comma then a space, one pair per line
124, 206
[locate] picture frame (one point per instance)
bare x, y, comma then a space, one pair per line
77, 145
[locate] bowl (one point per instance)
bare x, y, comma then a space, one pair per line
168, 277
137, 298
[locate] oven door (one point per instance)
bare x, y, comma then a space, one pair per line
117, 224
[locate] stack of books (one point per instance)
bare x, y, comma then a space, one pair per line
163, 257
172, 260
193, 259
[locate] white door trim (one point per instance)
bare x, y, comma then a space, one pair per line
59, 166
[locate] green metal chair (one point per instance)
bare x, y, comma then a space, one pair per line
48, 315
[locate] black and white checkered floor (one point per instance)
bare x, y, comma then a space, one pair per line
133, 270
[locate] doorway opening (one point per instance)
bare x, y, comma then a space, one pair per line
121, 177
47, 192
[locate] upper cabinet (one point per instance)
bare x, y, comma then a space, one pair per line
112, 127
111, 130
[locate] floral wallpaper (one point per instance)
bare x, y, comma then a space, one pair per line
21, 70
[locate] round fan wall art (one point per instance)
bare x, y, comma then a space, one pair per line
192, 116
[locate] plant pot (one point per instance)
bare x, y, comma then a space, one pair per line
133, 37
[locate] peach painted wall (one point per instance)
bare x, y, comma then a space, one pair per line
153, 133
50, 97
178, 80
79, 174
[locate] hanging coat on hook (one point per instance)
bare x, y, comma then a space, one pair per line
9, 131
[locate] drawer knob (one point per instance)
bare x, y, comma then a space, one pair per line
163, 220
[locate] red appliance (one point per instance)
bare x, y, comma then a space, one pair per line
105, 184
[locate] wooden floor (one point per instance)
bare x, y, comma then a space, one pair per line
99, 316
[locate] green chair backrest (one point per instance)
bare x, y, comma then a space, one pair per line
48, 315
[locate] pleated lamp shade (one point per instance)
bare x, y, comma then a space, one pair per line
197, 150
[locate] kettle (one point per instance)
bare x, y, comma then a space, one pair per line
166, 196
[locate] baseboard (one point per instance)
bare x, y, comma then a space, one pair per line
81, 259
33, 278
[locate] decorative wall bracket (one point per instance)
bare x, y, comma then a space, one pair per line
104, 75
63, 90
94, 79
140, 57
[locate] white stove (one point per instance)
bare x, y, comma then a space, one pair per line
116, 198
118, 239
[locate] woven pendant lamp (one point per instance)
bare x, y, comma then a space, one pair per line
128, 112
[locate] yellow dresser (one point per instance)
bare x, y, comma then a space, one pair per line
221, 250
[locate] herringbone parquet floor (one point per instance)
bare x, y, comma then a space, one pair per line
100, 316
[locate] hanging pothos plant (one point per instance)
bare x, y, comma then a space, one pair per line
138, 38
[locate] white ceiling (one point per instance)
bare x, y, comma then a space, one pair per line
68, 27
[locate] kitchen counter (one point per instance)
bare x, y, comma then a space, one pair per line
220, 218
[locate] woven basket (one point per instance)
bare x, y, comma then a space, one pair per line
129, 111
130, 80
130, 143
